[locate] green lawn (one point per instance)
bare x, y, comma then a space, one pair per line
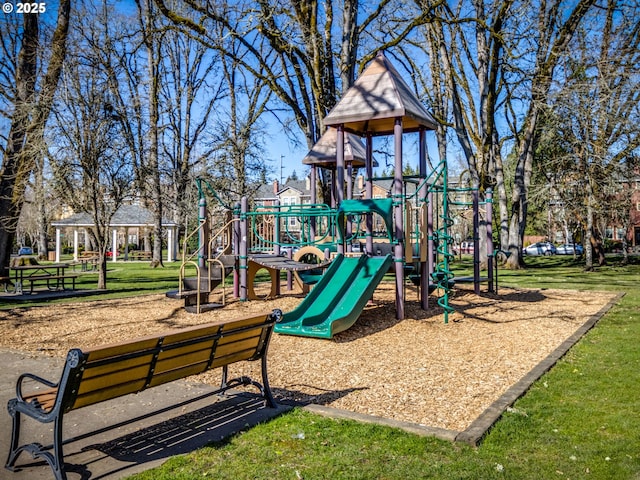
580, 421
124, 279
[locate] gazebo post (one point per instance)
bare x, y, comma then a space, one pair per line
75, 244
170, 245
114, 245
57, 245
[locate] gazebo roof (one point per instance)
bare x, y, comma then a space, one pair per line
376, 99
125, 216
323, 153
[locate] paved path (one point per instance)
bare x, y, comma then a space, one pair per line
100, 451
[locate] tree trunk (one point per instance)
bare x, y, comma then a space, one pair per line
42, 219
152, 43
27, 122
588, 241
102, 272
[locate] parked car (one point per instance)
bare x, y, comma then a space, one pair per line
25, 251
570, 249
540, 248
465, 247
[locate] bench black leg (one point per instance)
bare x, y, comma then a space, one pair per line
55, 459
266, 389
14, 450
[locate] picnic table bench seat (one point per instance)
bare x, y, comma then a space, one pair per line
94, 375
6, 283
59, 281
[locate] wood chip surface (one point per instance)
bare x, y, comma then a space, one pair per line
419, 370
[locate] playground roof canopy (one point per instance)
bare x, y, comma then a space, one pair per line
376, 99
323, 153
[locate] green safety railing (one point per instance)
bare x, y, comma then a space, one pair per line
279, 217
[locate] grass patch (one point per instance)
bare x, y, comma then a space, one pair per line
124, 279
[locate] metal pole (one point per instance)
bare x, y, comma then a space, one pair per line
399, 223
424, 269
489, 220
203, 233
314, 200
236, 250
349, 229
243, 249
369, 192
430, 238
339, 187
476, 237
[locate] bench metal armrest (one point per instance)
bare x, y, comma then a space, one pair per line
31, 376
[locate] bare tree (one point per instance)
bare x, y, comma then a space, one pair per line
555, 28
239, 159
91, 172
190, 93
304, 37
596, 112
31, 109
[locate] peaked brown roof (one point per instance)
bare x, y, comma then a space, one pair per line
376, 98
323, 153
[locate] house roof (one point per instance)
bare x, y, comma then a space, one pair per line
323, 152
376, 99
125, 216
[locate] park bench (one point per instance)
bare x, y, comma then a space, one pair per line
88, 260
140, 255
94, 375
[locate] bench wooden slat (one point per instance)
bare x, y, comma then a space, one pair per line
113, 378
191, 333
183, 372
45, 398
232, 358
172, 362
97, 354
115, 391
240, 345
118, 368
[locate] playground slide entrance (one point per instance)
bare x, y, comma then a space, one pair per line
337, 300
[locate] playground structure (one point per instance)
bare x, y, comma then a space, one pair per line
416, 244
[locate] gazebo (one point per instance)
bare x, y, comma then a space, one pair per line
126, 218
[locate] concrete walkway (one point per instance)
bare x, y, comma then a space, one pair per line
127, 435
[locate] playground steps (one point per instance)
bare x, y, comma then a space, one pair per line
196, 297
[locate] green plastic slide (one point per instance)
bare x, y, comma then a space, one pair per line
337, 300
